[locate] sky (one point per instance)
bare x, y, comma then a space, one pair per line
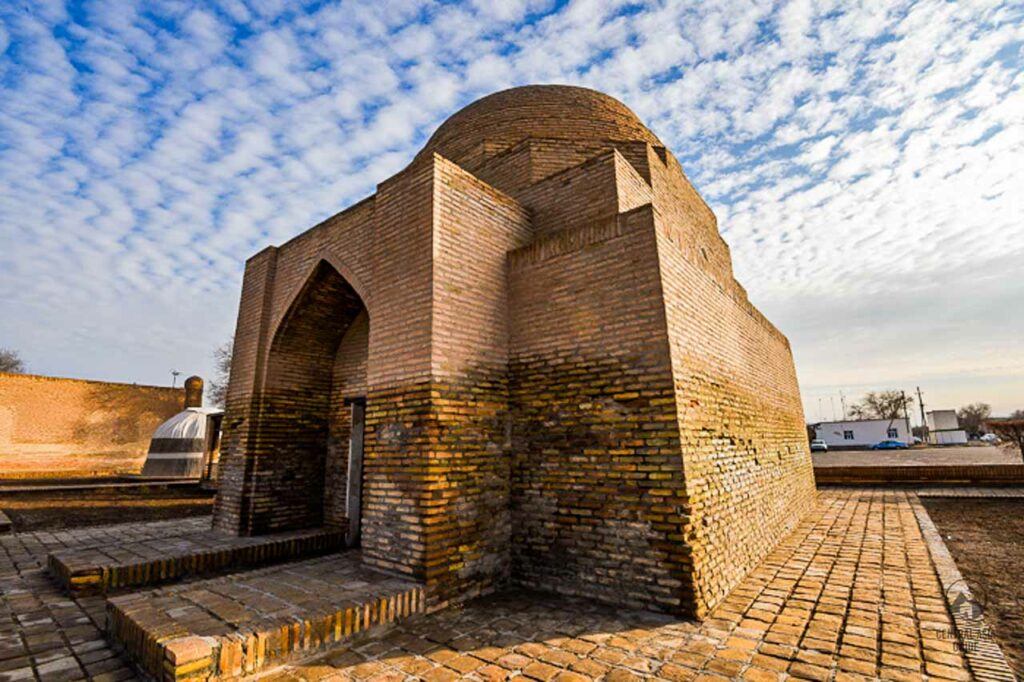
865, 161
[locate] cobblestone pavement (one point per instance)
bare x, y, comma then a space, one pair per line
45, 635
851, 595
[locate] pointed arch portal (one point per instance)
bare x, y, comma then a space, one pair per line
315, 385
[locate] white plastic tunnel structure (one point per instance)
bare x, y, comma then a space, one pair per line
179, 445
182, 447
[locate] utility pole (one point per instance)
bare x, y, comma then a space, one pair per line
906, 417
924, 422
842, 399
832, 400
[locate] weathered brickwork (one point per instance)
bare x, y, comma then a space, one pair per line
564, 386
599, 486
54, 426
744, 443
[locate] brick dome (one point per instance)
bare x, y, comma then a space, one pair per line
548, 111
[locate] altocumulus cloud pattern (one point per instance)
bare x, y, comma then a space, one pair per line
866, 161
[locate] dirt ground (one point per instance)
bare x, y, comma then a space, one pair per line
986, 538
73, 508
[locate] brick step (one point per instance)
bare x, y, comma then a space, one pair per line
239, 624
101, 569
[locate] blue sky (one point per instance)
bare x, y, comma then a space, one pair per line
865, 160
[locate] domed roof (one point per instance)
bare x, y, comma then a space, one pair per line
188, 424
553, 111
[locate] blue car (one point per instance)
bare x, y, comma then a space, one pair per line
890, 445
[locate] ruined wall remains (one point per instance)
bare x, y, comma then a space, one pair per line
52, 426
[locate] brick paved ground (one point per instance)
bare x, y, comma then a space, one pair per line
851, 595
44, 634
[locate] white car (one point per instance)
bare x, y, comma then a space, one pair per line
819, 446
989, 438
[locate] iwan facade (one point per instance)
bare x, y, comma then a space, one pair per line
523, 360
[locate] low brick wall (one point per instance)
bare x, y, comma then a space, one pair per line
56, 427
993, 474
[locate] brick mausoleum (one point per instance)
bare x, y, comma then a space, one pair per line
531, 343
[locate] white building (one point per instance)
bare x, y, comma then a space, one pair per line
862, 433
944, 428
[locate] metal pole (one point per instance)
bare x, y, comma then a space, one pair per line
906, 417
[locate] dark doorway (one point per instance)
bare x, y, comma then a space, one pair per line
354, 493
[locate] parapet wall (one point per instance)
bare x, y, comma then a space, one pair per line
52, 426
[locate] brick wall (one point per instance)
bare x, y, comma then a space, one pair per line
469, 521
598, 480
56, 426
744, 443
585, 193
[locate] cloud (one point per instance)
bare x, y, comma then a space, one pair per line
865, 161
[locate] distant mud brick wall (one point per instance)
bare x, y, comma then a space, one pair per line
51, 426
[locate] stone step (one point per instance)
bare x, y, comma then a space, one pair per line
245, 622
101, 569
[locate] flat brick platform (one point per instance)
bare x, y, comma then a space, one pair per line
967, 475
239, 624
111, 566
968, 491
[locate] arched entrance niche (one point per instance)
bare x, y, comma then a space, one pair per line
315, 384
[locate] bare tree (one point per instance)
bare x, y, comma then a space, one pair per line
1017, 414
10, 361
881, 405
972, 417
1009, 429
222, 366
